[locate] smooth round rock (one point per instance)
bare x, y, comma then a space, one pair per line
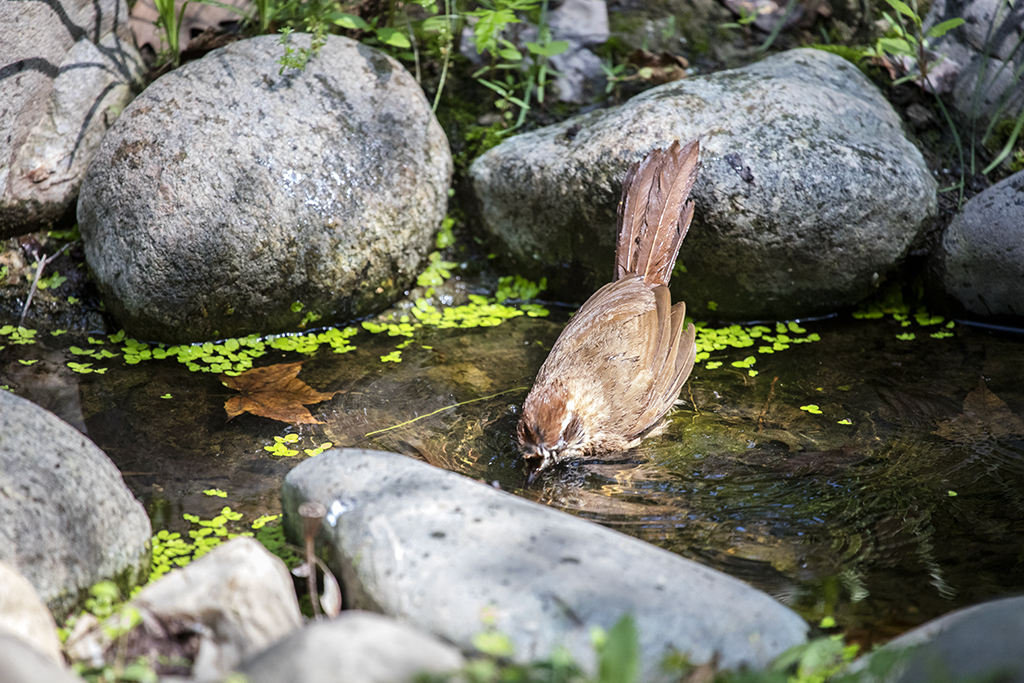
69, 520
808, 194
356, 647
24, 615
239, 597
980, 259
444, 552
981, 642
21, 663
232, 199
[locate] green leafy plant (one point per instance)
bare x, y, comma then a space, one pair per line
437, 271
510, 75
816, 660
746, 18
384, 35
297, 57
618, 652
170, 22
910, 40
118, 619
52, 281
1018, 161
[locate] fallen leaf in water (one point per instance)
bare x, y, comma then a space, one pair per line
275, 392
985, 415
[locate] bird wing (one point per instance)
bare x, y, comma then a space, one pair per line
600, 332
670, 365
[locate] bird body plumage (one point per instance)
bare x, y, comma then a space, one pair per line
619, 364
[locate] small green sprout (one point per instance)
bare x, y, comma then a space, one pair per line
280, 447
51, 281
493, 643
313, 452
18, 335
262, 520
437, 271
812, 409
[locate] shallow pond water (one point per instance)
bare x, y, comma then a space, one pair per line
863, 475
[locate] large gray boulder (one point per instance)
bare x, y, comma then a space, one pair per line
356, 647
442, 552
68, 519
67, 69
809, 192
230, 199
980, 260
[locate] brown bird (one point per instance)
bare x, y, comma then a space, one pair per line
619, 364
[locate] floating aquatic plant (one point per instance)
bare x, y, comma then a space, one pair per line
17, 335
891, 304
767, 339
280, 447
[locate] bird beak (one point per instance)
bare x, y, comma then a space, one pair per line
535, 464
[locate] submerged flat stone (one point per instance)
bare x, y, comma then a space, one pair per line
444, 553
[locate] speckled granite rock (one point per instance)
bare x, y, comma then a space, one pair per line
230, 199
809, 192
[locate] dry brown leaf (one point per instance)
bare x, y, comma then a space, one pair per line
275, 392
659, 68
985, 415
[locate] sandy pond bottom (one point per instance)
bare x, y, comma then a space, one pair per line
864, 476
